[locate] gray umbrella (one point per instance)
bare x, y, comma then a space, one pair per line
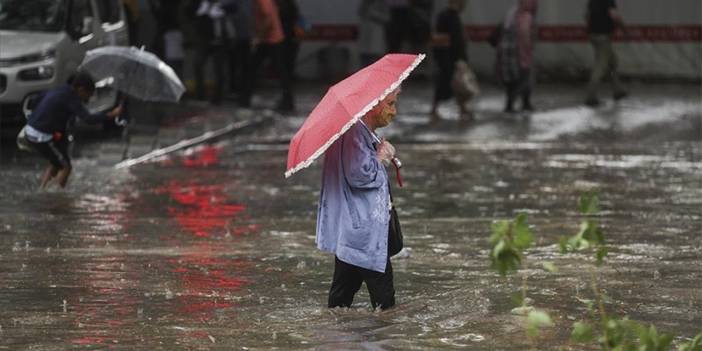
136, 72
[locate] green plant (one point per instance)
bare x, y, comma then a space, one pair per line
509, 239
590, 234
694, 345
612, 334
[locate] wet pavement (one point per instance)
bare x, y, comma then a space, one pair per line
211, 248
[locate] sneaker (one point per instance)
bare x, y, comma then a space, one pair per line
593, 102
619, 95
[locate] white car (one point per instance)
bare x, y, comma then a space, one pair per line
42, 42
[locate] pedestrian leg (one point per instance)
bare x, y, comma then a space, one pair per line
279, 54
49, 174
525, 89
601, 65
242, 72
618, 91
219, 62
62, 176
510, 95
380, 287
345, 284
261, 53
199, 62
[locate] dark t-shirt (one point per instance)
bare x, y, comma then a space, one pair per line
57, 107
599, 21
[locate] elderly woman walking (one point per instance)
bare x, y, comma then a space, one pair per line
515, 54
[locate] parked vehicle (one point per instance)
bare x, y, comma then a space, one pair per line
44, 41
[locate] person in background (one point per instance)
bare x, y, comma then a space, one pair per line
450, 47
240, 56
602, 20
168, 43
355, 187
420, 29
47, 124
131, 9
397, 28
290, 18
410, 23
515, 54
210, 33
373, 16
268, 46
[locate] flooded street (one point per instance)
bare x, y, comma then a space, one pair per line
212, 248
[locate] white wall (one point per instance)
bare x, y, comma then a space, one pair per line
637, 58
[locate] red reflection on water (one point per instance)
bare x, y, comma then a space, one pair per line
203, 207
209, 155
206, 280
89, 340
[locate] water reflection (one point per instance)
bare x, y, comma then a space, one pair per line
214, 249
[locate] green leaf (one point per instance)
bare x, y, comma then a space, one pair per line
650, 340
499, 230
582, 332
694, 345
517, 298
499, 248
508, 260
549, 266
563, 244
523, 239
522, 235
536, 320
588, 203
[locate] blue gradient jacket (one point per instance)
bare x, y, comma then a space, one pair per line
353, 214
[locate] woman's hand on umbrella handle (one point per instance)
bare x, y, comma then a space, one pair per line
386, 152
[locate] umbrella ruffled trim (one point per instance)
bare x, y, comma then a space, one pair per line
356, 117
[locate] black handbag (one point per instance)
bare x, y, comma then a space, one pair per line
395, 238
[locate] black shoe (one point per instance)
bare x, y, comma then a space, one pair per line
619, 95
528, 107
593, 102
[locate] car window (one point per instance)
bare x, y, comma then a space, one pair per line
109, 11
80, 10
35, 15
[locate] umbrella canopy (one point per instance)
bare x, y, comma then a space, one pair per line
344, 104
136, 72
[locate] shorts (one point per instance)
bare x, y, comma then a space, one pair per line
56, 151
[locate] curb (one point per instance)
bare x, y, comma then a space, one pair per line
231, 128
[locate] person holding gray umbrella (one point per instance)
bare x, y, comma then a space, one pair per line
46, 125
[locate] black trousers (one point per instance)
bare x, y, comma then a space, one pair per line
348, 279
219, 57
276, 53
240, 66
520, 87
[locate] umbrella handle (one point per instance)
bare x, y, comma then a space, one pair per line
118, 120
396, 162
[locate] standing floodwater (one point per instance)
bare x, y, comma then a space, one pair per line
213, 249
